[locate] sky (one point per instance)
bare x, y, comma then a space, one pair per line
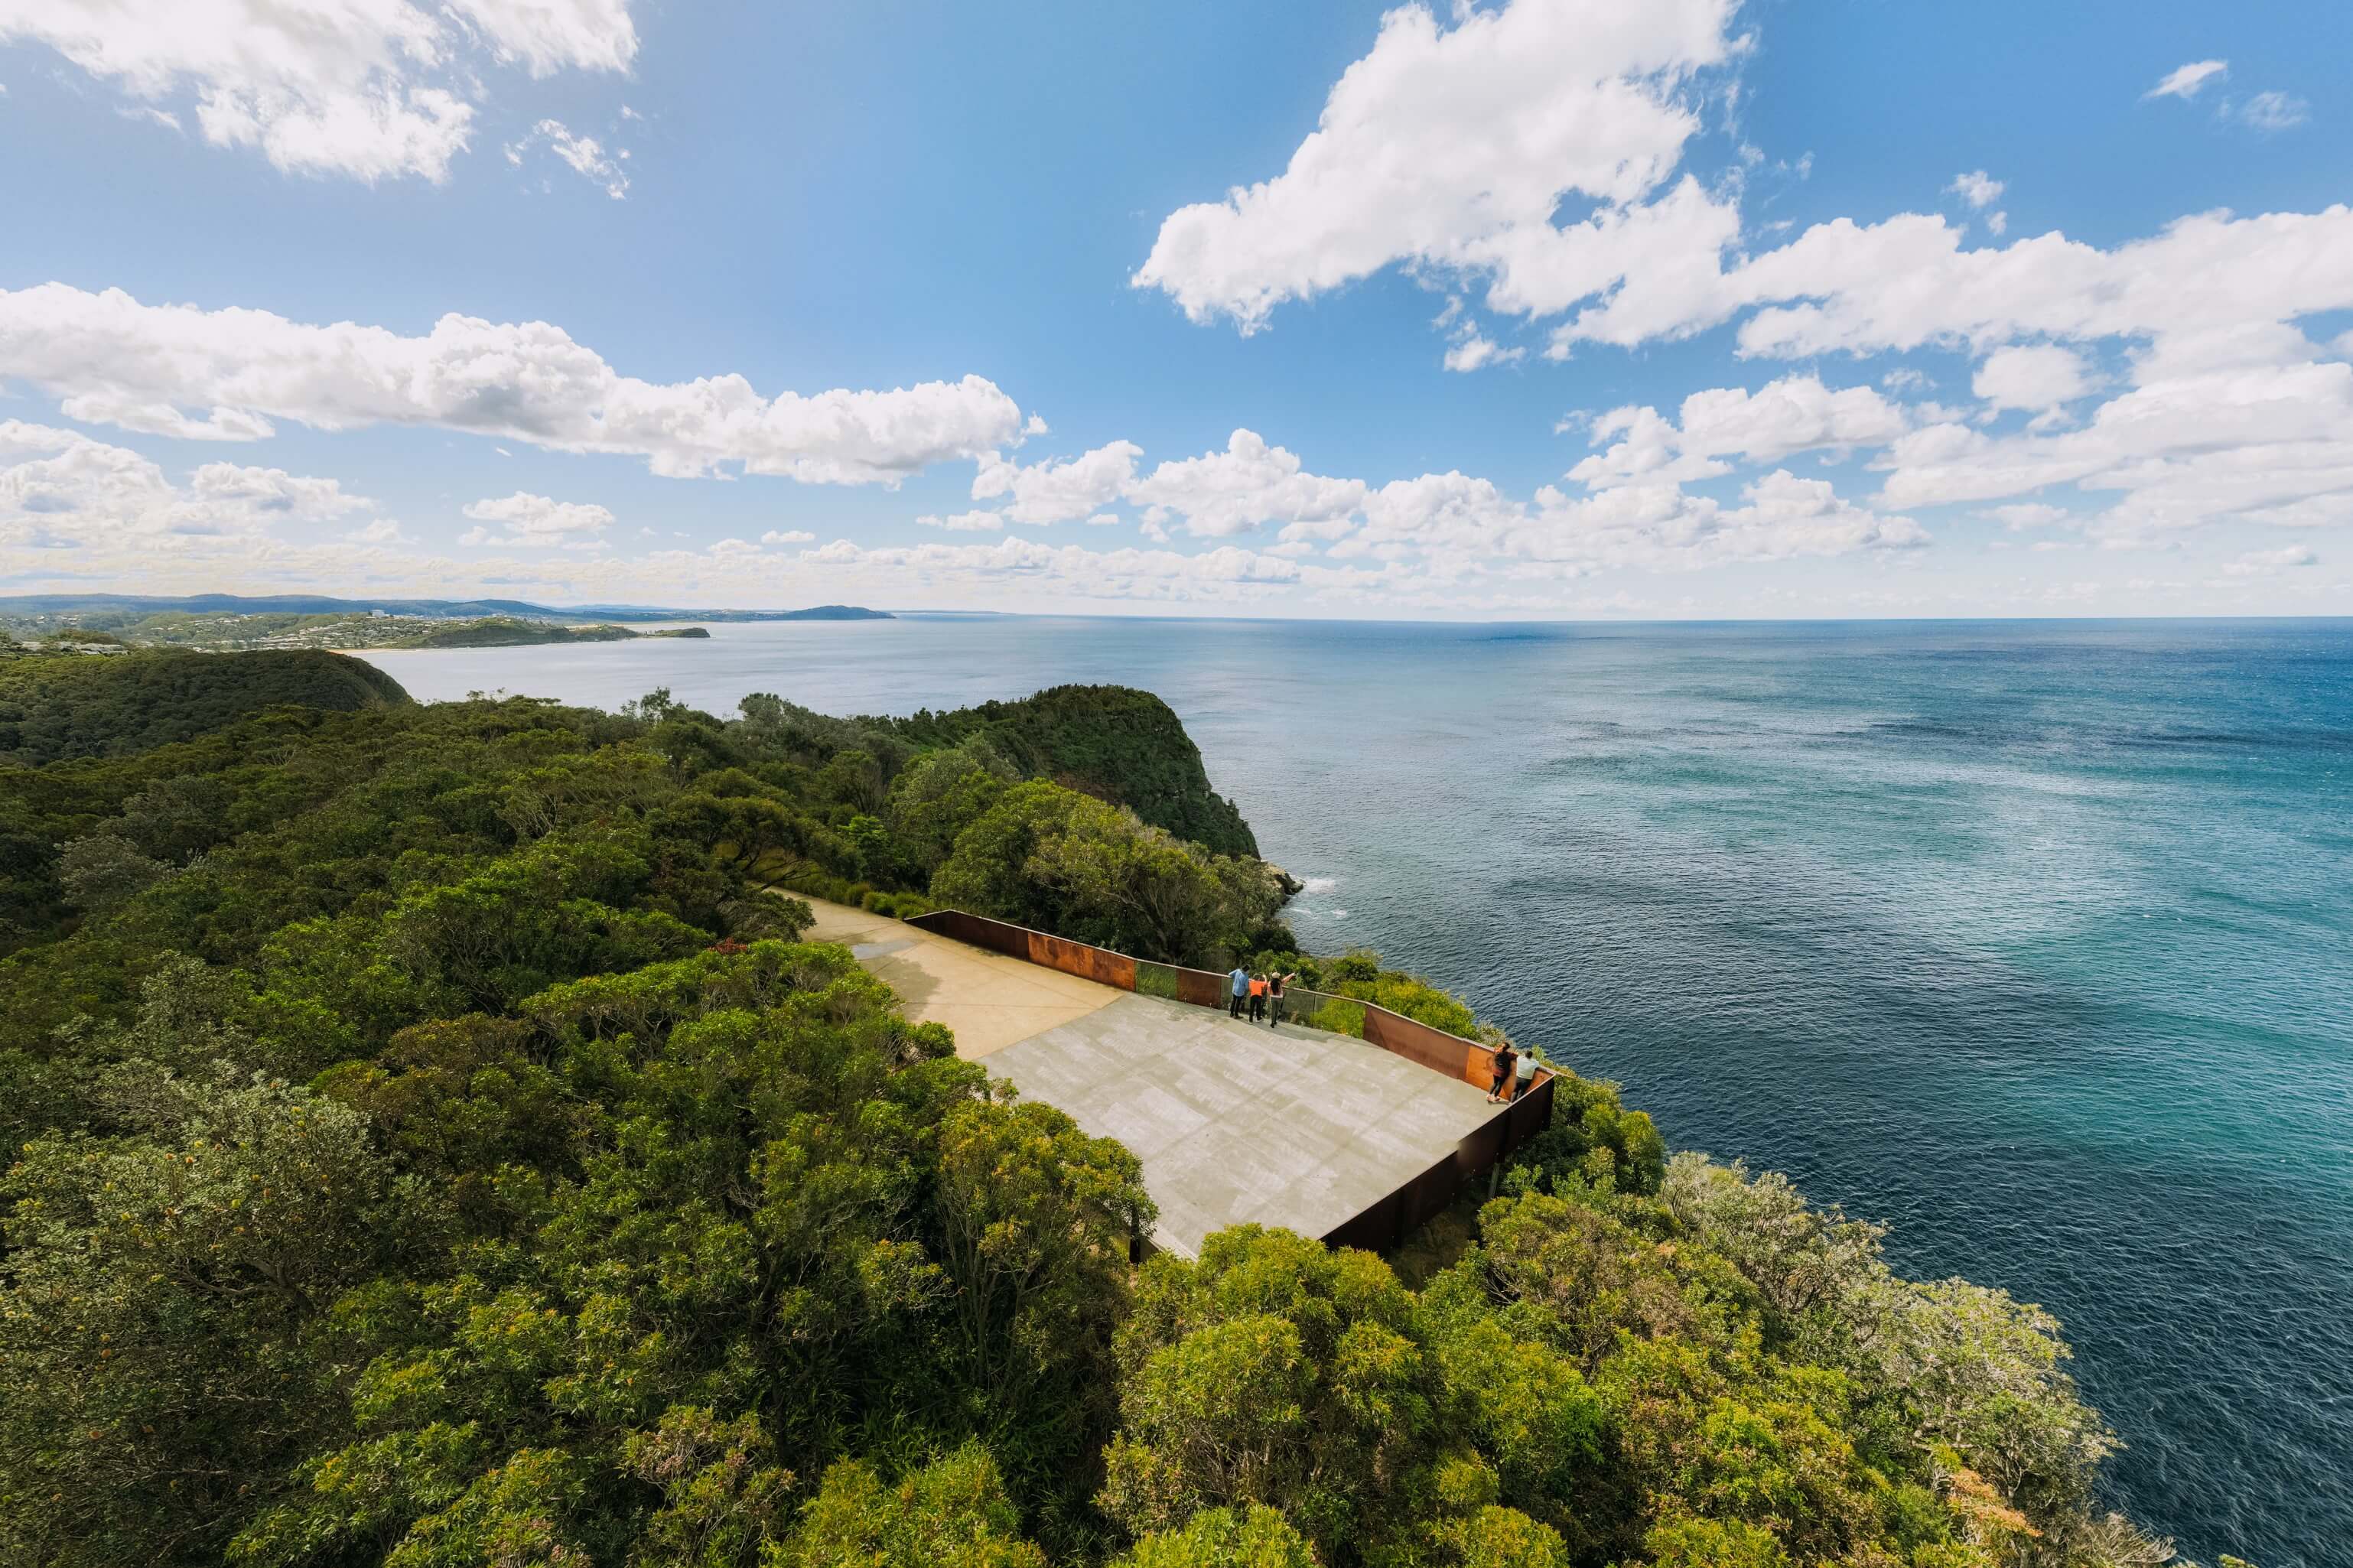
1524, 309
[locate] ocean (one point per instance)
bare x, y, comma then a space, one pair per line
2032, 938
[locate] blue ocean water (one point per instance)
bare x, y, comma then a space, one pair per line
2032, 938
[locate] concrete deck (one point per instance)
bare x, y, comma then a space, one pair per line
1234, 1122
1239, 1123
988, 999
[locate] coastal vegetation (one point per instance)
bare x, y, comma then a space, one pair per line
430, 1143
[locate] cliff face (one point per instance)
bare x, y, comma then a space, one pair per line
56, 706
1114, 743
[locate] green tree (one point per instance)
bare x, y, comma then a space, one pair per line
952, 1513
1049, 858
104, 871
157, 1303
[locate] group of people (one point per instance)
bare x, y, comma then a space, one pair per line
1261, 994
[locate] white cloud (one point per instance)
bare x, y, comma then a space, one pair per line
108, 354
965, 521
1462, 526
586, 154
1907, 282
788, 536
162, 420
1978, 188
2274, 111
1249, 485
2020, 516
364, 88
1023, 564
1456, 148
1058, 492
2269, 563
2037, 376
1476, 350
1794, 413
154, 116
2264, 443
70, 490
2185, 81
533, 521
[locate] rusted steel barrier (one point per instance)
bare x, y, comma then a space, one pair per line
1096, 963
1383, 1226
1387, 1223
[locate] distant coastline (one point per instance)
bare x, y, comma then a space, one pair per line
91, 611
217, 622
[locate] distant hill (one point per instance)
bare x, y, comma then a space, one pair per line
31, 606
59, 705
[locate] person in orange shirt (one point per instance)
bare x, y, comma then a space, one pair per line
1258, 998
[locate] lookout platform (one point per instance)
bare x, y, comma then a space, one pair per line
1234, 1122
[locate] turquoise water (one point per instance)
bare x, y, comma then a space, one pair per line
2032, 938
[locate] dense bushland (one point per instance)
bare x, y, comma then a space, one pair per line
56, 705
432, 1144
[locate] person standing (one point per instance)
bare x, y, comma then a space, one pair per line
1274, 983
1240, 979
1258, 998
1507, 1083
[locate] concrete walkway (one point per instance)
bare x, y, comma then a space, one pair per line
1234, 1122
988, 999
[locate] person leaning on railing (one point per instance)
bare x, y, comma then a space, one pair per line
1506, 1085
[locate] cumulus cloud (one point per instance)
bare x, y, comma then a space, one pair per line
2187, 81
2263, 443
1053, 491
965, 521
364, 88
2020, 516
1462, 525
1249, 485
1793, 414
116, 360
535, 522
1908, 282
586, 154
2038, 376
70, 492
1454, 148
1978, 188
788, 536
1476, 350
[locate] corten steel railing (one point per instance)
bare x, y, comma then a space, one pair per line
1387, 1223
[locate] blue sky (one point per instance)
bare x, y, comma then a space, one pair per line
1971, 317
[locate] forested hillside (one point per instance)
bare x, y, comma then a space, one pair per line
1110, 741
431, 1145
57, 705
